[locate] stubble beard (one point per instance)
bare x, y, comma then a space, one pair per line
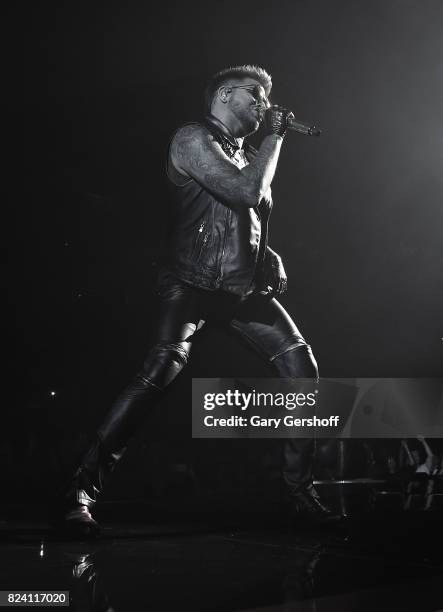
249, 124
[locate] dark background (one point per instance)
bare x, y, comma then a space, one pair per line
358, 214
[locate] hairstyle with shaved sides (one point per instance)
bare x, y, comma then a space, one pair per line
236, 72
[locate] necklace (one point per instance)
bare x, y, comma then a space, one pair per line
227, 132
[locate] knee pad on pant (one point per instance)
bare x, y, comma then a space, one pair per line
131, 407
296, 362
163, 363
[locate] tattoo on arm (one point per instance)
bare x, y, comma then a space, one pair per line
195, 152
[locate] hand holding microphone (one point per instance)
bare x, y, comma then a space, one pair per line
278, 119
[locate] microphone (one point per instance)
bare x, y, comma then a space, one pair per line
297, 126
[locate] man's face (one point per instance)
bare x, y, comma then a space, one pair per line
248, 102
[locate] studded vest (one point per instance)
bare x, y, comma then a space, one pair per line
211, 245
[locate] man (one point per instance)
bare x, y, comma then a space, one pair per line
220, 270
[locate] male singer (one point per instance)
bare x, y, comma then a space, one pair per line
219, 271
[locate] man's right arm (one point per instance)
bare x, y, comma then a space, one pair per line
429, 462
195, 153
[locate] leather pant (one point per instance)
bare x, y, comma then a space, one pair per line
258, 319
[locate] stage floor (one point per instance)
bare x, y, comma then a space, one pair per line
367, 563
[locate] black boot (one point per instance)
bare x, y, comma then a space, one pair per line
306, 507
83, 491
79, 523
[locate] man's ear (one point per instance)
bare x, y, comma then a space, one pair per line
223, 93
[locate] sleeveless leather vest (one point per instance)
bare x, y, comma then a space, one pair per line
211, 245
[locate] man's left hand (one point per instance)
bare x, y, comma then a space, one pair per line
276, 275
